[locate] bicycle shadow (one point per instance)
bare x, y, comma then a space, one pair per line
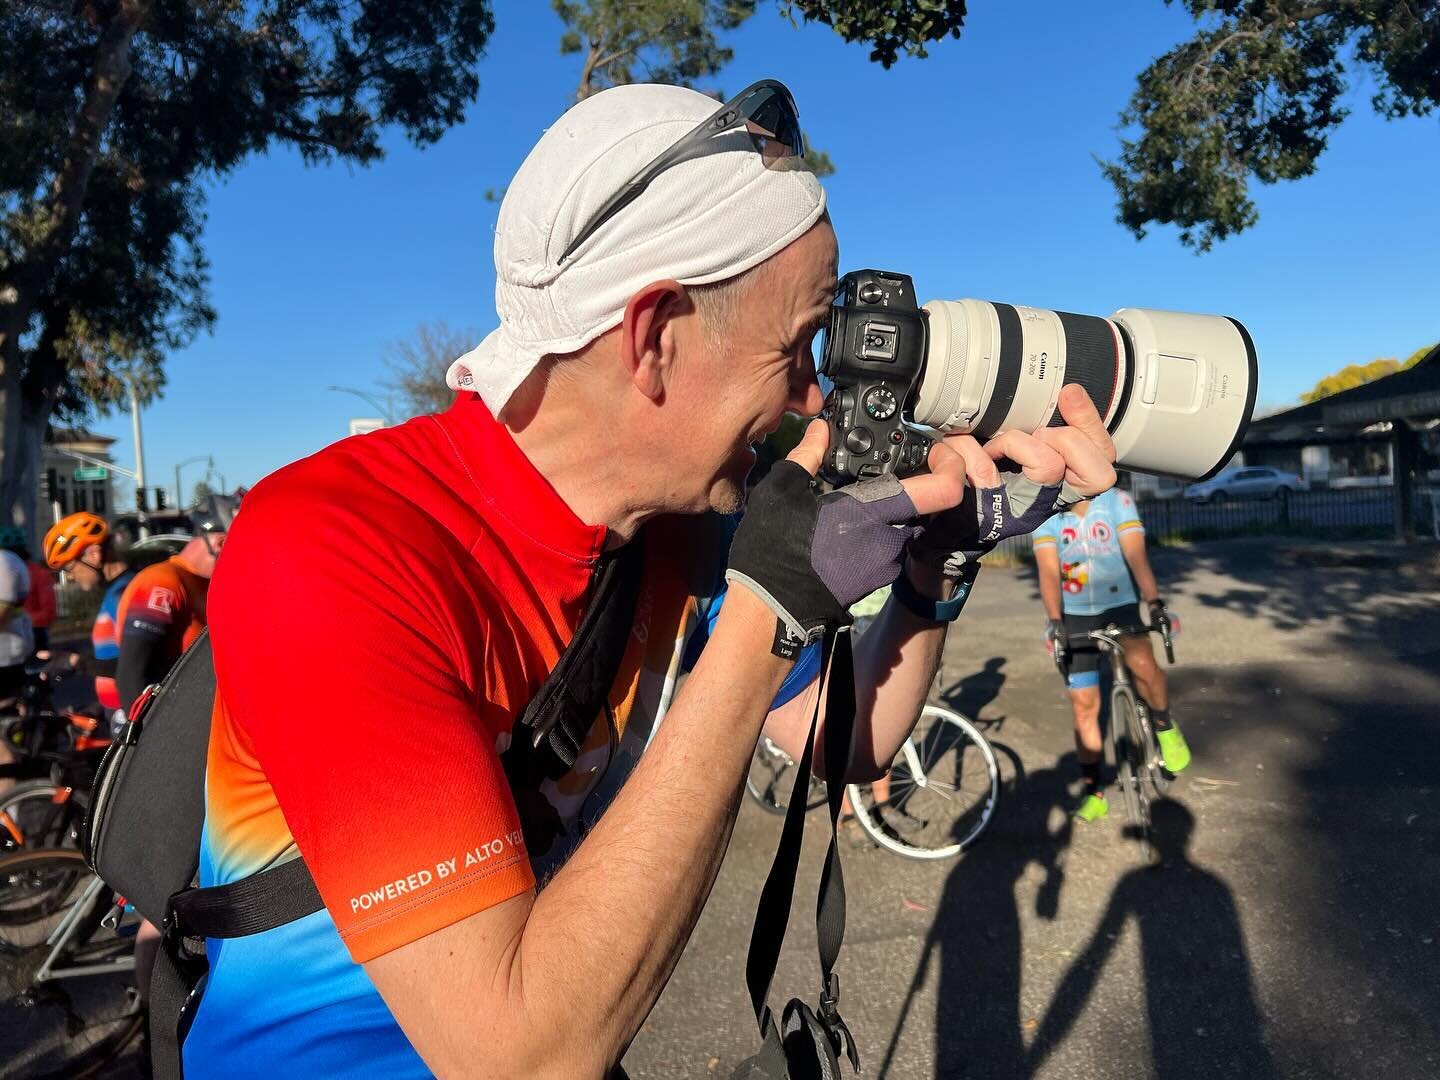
1204, 1020
973, 693
975, 939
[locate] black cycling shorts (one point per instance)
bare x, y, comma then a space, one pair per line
1085, 661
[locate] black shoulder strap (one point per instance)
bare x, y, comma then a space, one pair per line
553, 727
773, 913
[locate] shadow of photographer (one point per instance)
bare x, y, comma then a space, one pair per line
1204, 1020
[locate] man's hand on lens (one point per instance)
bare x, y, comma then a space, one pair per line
1015, 483
809, 556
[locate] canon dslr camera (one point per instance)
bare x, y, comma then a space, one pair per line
1175, 390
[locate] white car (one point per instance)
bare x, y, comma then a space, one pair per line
1247, 482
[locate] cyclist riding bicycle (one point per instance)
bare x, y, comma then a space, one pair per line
1089, 561
654, 322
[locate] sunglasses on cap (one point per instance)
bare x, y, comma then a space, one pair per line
761, 118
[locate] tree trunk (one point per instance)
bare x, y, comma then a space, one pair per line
24, 435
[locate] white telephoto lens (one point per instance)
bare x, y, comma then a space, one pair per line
1175, 390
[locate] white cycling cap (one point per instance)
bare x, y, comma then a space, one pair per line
703, 220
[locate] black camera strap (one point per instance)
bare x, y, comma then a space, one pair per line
819, 1035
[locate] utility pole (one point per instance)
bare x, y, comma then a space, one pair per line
139, 458
179, 494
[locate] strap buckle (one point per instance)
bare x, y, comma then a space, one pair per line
830, 998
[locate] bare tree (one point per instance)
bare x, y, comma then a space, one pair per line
417, 366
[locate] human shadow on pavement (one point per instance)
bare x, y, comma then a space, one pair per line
976, 935
1204, 1020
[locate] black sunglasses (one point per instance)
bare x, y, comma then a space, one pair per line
762, 118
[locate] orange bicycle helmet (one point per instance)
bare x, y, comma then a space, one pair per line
70, 536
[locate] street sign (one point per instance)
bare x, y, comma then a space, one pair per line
91, 472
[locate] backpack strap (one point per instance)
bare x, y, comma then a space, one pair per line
549, 733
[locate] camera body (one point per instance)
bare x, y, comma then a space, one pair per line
874, 352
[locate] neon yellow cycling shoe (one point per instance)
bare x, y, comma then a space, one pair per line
1173, 748
1093, 808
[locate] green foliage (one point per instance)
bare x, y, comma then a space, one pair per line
891, 28
1418, 355
116, 114
1353, 375
1255, 94
625, 41
1350, 376
202, 491
417, 367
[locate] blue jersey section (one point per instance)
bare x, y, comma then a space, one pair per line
1093, 574
109, 648
257, 1019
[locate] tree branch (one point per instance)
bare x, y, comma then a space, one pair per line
67, 191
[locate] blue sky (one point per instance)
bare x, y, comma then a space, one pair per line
973, 171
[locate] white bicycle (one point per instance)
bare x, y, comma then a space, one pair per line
937, 799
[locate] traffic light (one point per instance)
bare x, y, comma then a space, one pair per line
159, 499
142, 502
47, 486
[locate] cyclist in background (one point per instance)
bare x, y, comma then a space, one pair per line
40, 602
163, 609
83, 548
1090, 559
17, 640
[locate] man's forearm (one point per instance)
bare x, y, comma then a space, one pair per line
895, 665
1050, 595
606, 932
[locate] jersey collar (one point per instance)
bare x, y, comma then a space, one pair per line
505, 479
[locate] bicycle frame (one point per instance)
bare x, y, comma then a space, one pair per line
61, 937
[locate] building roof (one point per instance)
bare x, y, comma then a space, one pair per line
1414, 392
74, 436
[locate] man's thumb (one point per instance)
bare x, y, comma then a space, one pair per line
809, 453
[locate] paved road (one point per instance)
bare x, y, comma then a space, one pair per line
1292, 935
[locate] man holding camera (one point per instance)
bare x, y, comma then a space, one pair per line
655, 322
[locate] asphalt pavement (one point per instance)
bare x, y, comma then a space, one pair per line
1291, 932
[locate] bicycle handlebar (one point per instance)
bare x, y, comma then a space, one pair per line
1109, 637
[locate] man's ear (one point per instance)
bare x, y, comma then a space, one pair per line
647, 343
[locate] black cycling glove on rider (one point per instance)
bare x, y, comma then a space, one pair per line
810, 556
953, 541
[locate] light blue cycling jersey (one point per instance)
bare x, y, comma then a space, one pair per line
1093, 575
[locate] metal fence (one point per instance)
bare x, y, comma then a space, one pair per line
1348, 513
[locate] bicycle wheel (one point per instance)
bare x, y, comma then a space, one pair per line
772, 777
944, 787
1156, 775
36, 889
1132, 761
32, 817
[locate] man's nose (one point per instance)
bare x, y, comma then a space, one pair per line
805, 396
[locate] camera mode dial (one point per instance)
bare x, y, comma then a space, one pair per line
880, 403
